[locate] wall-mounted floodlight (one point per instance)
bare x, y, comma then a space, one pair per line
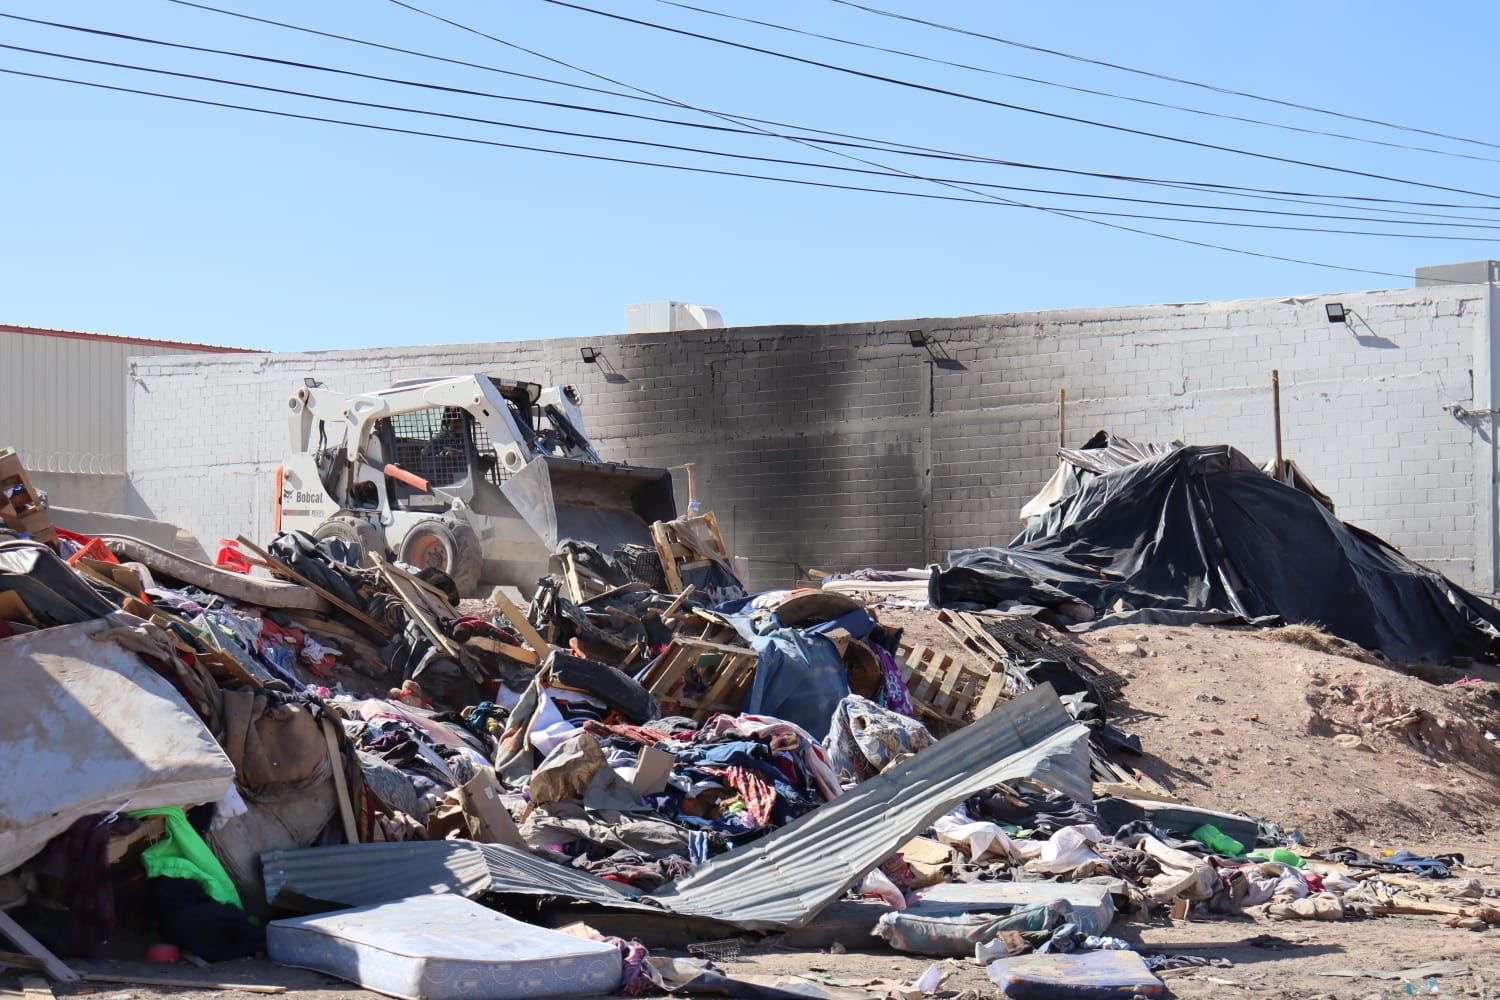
590, 355
918, 338
1336, 312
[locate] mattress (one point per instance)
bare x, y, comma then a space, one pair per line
443, 947
1092, 904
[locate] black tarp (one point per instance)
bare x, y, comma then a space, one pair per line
1204, 528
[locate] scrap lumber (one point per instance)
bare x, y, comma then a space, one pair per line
519, 622
340, 782
186, 984
727, 681
19, 936
286, 572
679, 549
412, 598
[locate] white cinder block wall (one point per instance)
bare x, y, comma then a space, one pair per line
842, 446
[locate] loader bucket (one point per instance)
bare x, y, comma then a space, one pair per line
603, 503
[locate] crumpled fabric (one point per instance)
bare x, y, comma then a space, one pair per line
800, 678
629, 868
1182, 874
1068, 850
565, 822
1323, 906
878, 884
276, 743
1042, 810
893, 692
567, 771
779, 735
983, 935
864, 738
183, 854
1252, 885
982, 840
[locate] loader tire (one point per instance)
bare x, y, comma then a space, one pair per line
354, 531
447, 546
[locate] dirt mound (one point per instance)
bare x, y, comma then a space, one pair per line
1299, 728
1341, 748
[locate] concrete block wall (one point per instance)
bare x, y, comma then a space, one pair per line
843, 446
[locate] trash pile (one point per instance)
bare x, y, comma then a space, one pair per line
309, 751
1130, 533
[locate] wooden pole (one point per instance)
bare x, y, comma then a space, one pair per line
1276, 414
1062, 418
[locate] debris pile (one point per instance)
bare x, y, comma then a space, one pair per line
313, 752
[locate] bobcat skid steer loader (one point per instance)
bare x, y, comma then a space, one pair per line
473, 475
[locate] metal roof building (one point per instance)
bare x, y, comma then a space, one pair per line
63, 406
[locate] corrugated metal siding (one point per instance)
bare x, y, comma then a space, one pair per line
62, 402
783, 880
360, 874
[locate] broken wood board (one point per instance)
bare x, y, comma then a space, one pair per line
281, 569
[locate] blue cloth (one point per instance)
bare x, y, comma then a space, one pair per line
800, 678
856, 621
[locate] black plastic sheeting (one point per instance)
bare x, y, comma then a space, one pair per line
1204, 528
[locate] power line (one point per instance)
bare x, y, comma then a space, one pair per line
1078, 218
1007, 105
854, 141
782, 161
1163, 76
1223, 116
802, 182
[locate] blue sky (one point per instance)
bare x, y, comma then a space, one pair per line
156, 219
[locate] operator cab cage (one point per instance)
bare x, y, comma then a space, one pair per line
451, 446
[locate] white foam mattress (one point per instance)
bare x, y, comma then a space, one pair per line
444, 947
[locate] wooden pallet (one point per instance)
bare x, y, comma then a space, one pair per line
679, 550
722, 673
949, 689
21, 507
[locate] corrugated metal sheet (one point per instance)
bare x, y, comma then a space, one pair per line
361, 874
783, 880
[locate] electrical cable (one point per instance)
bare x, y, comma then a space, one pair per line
782, 160
1007, 105
1079, 218
1224, 116
988, 201
856, 141
1163, 76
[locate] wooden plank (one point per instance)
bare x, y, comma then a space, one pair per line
283, 570
519, 622
994, 687
663, 540
575, 589
530, 657
36, 988
187, 984
678, 602
946, 696
712, 647
713, 701
393, 576
712, 520
676, 662
340, 782
16, 960
18, 935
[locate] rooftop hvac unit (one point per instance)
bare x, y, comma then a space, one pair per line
670, 317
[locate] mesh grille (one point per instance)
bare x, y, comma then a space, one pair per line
430, 443
489, 461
